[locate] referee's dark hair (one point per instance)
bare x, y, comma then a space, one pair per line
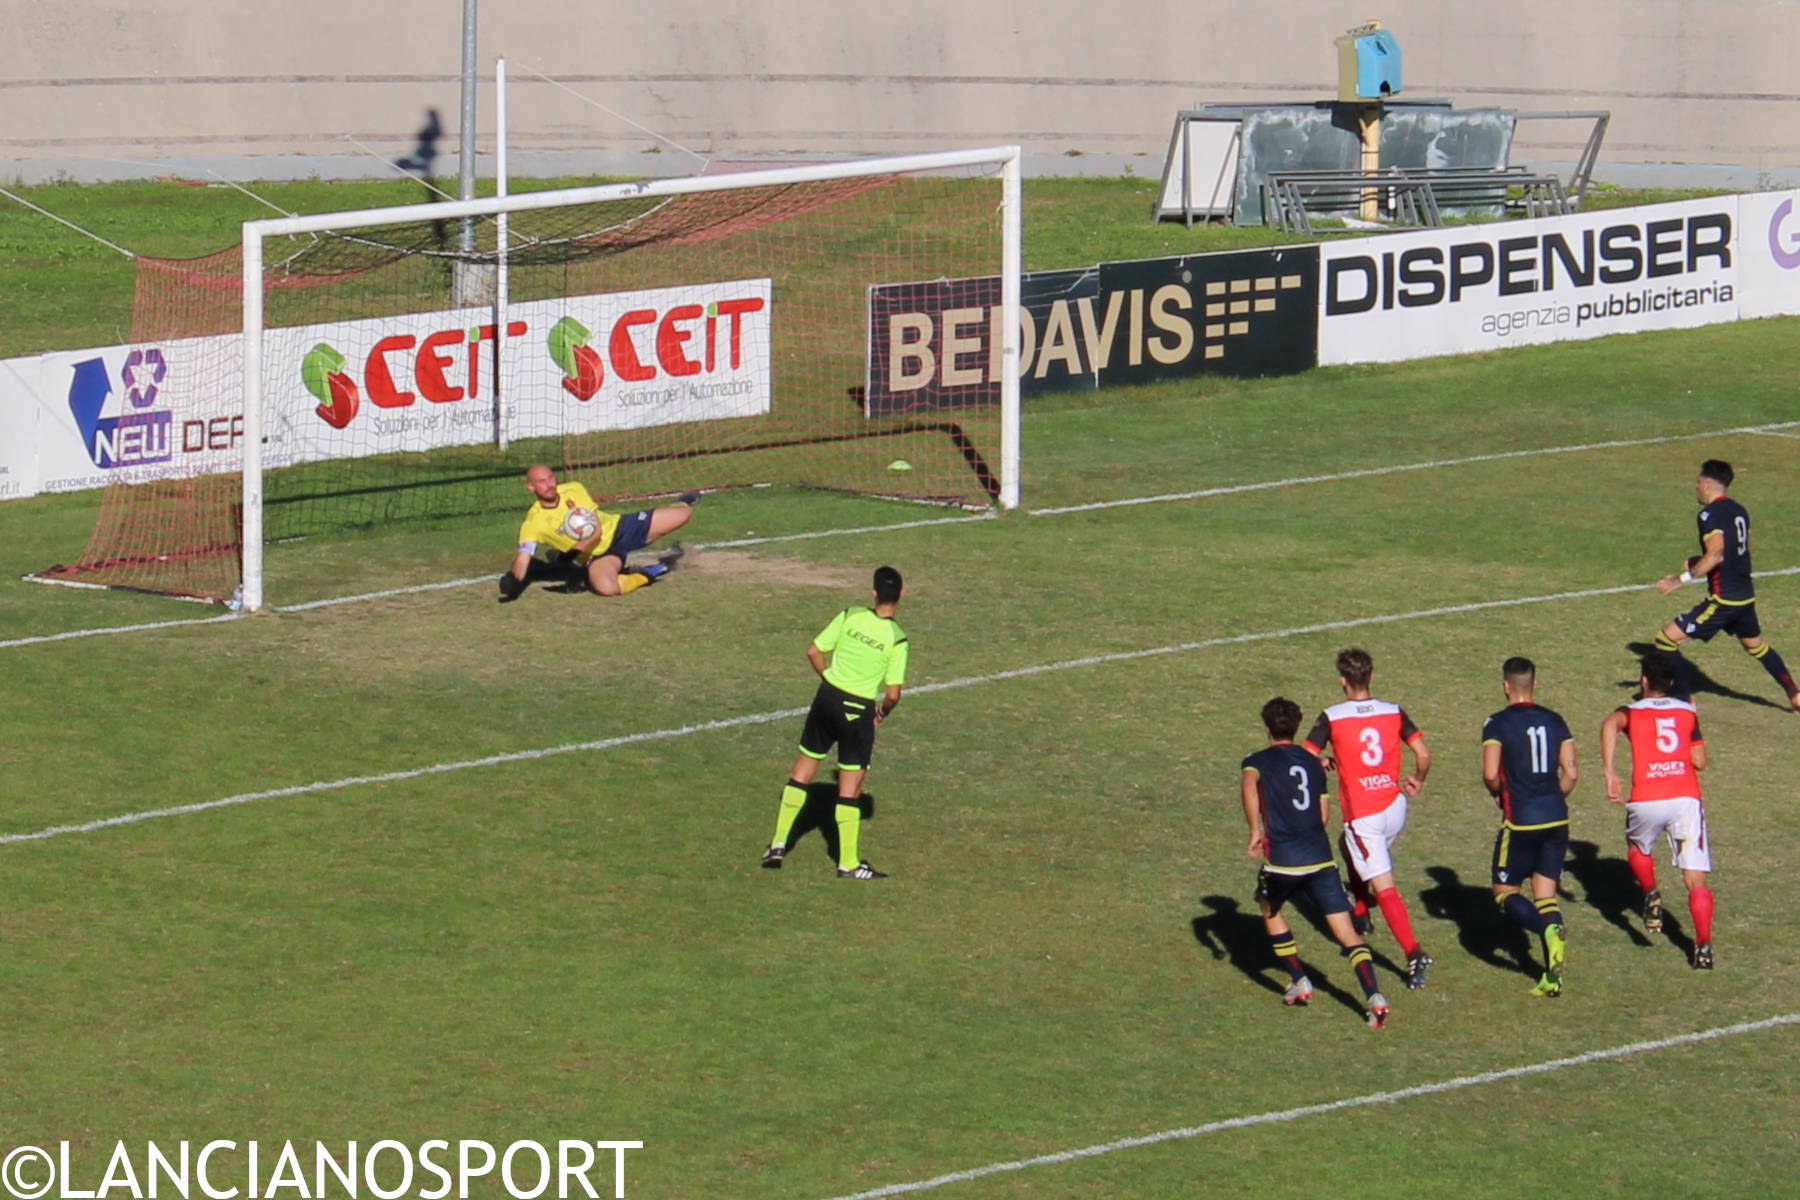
1519, 671
1281, 717
1717, 470
887, 585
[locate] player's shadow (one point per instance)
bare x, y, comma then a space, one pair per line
1699, 681
1608, 887
560, 573
819, 815
1304, 906
1231, 933
1676, 935
1481, 928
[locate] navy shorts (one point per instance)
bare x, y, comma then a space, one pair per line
1710, 616
1521, 853
633, 533
1325, 886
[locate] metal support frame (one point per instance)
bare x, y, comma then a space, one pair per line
1583, 174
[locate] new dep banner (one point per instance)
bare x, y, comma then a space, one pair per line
1474, 288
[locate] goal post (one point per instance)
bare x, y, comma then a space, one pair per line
848, 326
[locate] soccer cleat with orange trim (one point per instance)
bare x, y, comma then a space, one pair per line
1378, 1011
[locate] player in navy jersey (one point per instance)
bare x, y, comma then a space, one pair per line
1730, 604
1287, 803
1528, 765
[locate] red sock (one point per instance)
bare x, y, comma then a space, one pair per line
1700, 907
1393, 908
1643, 866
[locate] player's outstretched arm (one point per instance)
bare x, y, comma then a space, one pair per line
1699, 567
512, 583
1609, 747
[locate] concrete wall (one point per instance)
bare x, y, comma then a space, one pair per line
256, 88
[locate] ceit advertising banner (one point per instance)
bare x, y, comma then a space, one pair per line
419, 381
1485, 287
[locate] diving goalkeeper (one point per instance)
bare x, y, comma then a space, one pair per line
588, 546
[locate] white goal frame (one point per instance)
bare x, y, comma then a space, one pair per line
255, 233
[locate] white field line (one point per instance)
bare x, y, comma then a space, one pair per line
1313, 1110
1774, 431
412, 590
1230, 490
764, 718
333, 785
1371, 472
38, 639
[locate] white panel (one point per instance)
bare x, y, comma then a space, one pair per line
1485, 287
1209, 152
1770, 248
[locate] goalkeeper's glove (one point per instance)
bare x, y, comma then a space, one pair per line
511, 587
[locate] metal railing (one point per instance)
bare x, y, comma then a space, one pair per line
1406, 197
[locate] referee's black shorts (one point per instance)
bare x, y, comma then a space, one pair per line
838, 718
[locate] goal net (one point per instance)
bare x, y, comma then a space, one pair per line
848, 326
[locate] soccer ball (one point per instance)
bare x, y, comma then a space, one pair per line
580, 523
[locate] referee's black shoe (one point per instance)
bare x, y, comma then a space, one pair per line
862, 871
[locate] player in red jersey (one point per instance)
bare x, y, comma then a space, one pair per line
1365, 736
1667, 752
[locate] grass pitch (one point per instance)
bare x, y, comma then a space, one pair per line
580, 943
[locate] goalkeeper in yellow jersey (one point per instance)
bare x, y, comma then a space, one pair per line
590, 545
861, 661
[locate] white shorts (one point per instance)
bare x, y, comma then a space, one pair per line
1368, 840
1683, 819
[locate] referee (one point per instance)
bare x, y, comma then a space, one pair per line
861, 661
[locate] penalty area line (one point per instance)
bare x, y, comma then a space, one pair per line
1313, 1110
1093, 660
